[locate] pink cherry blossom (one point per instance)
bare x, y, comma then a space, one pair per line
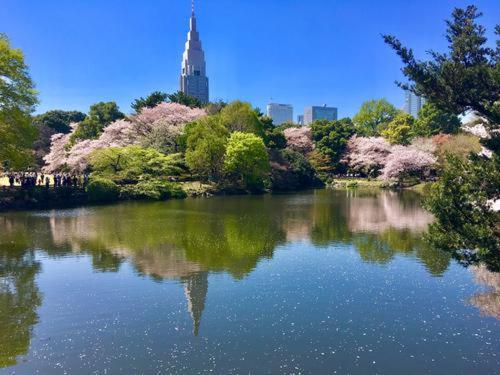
299, 139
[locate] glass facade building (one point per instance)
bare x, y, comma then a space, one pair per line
314, 113
280, 113
413, 103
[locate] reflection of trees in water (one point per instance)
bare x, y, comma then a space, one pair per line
19, 297
185, 240
380, 224
487, 302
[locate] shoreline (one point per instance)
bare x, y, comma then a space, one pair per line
40, 198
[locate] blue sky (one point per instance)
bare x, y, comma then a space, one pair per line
300, 52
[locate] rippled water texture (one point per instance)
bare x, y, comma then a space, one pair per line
317, 282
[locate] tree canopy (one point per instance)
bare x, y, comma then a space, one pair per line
432, 120
466, 78
241, 117
17, 101
187, 100
100, 115
150, 101
400, 129
205, 147
59, 120
373, 116
331, 137
246, 162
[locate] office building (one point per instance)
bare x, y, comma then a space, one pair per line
280, 113
314, 113
413, 103
194, 81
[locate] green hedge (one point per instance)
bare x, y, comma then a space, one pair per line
152, 190
102, 190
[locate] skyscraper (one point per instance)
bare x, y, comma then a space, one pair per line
194, 80
413, 103
280, 113
314, 113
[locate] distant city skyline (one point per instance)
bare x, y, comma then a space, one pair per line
119, 51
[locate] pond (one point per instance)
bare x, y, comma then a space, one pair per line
314, 282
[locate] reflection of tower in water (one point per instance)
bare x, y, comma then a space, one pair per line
195, 288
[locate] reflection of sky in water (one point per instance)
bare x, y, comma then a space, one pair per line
313, 283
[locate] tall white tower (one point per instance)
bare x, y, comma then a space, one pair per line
194, 80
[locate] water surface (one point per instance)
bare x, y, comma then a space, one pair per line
316, 282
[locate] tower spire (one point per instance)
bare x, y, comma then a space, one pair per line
192, 7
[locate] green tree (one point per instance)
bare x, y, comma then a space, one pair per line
17, 101
465, 223
373, 116
331, 137
187, 100
150, 101
128, 165
465, 79
246, 161
273, 135
205, 147
241, 117
400, 129
100, 115
59, 120
431, 121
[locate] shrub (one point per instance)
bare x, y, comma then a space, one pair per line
153, 189
102, 190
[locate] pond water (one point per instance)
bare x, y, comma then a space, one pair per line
316, 282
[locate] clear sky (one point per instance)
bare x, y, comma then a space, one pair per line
300, 52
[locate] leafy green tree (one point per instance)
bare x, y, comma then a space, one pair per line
431, 121
290, 170
465, 223
100, 115
246, 161
131, 164
17, 101
150, 101
241, 117
400, 129
331, 137
187, 100
59, 120
205, 147
373, 116
273, 135
466, 78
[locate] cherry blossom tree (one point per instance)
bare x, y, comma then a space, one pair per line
299, 139
367, 154
165, 121
407, 160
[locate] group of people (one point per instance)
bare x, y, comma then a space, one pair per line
32, 179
